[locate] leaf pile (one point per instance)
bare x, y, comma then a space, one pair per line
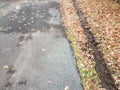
78, 41
103, 17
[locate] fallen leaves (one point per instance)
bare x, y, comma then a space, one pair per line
43, 49
78, 41
104, 19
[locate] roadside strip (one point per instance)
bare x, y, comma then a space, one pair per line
85, 49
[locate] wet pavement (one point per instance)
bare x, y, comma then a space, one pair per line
34, 51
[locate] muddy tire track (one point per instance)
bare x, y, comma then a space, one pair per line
101, 67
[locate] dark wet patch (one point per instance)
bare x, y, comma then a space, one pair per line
56, 26
60, 31
46, 26
8, 75
28, 19
8, 84
29, 37
24, 82
54, 4
20, 40
11, 72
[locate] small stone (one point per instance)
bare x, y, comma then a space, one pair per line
11, 33
25, 24
43, 49
9, 27
32, 21
32, 29
28, 23
20, 28
37, 15
50, 81
66, 88
6, 67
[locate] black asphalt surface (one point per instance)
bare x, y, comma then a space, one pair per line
34, 51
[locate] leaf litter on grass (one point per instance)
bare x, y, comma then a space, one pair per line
103, 17
78, 41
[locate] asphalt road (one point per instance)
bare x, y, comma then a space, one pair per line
34, 51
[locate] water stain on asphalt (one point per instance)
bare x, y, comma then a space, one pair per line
20, 20
24, 82
8, 84
39, 50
